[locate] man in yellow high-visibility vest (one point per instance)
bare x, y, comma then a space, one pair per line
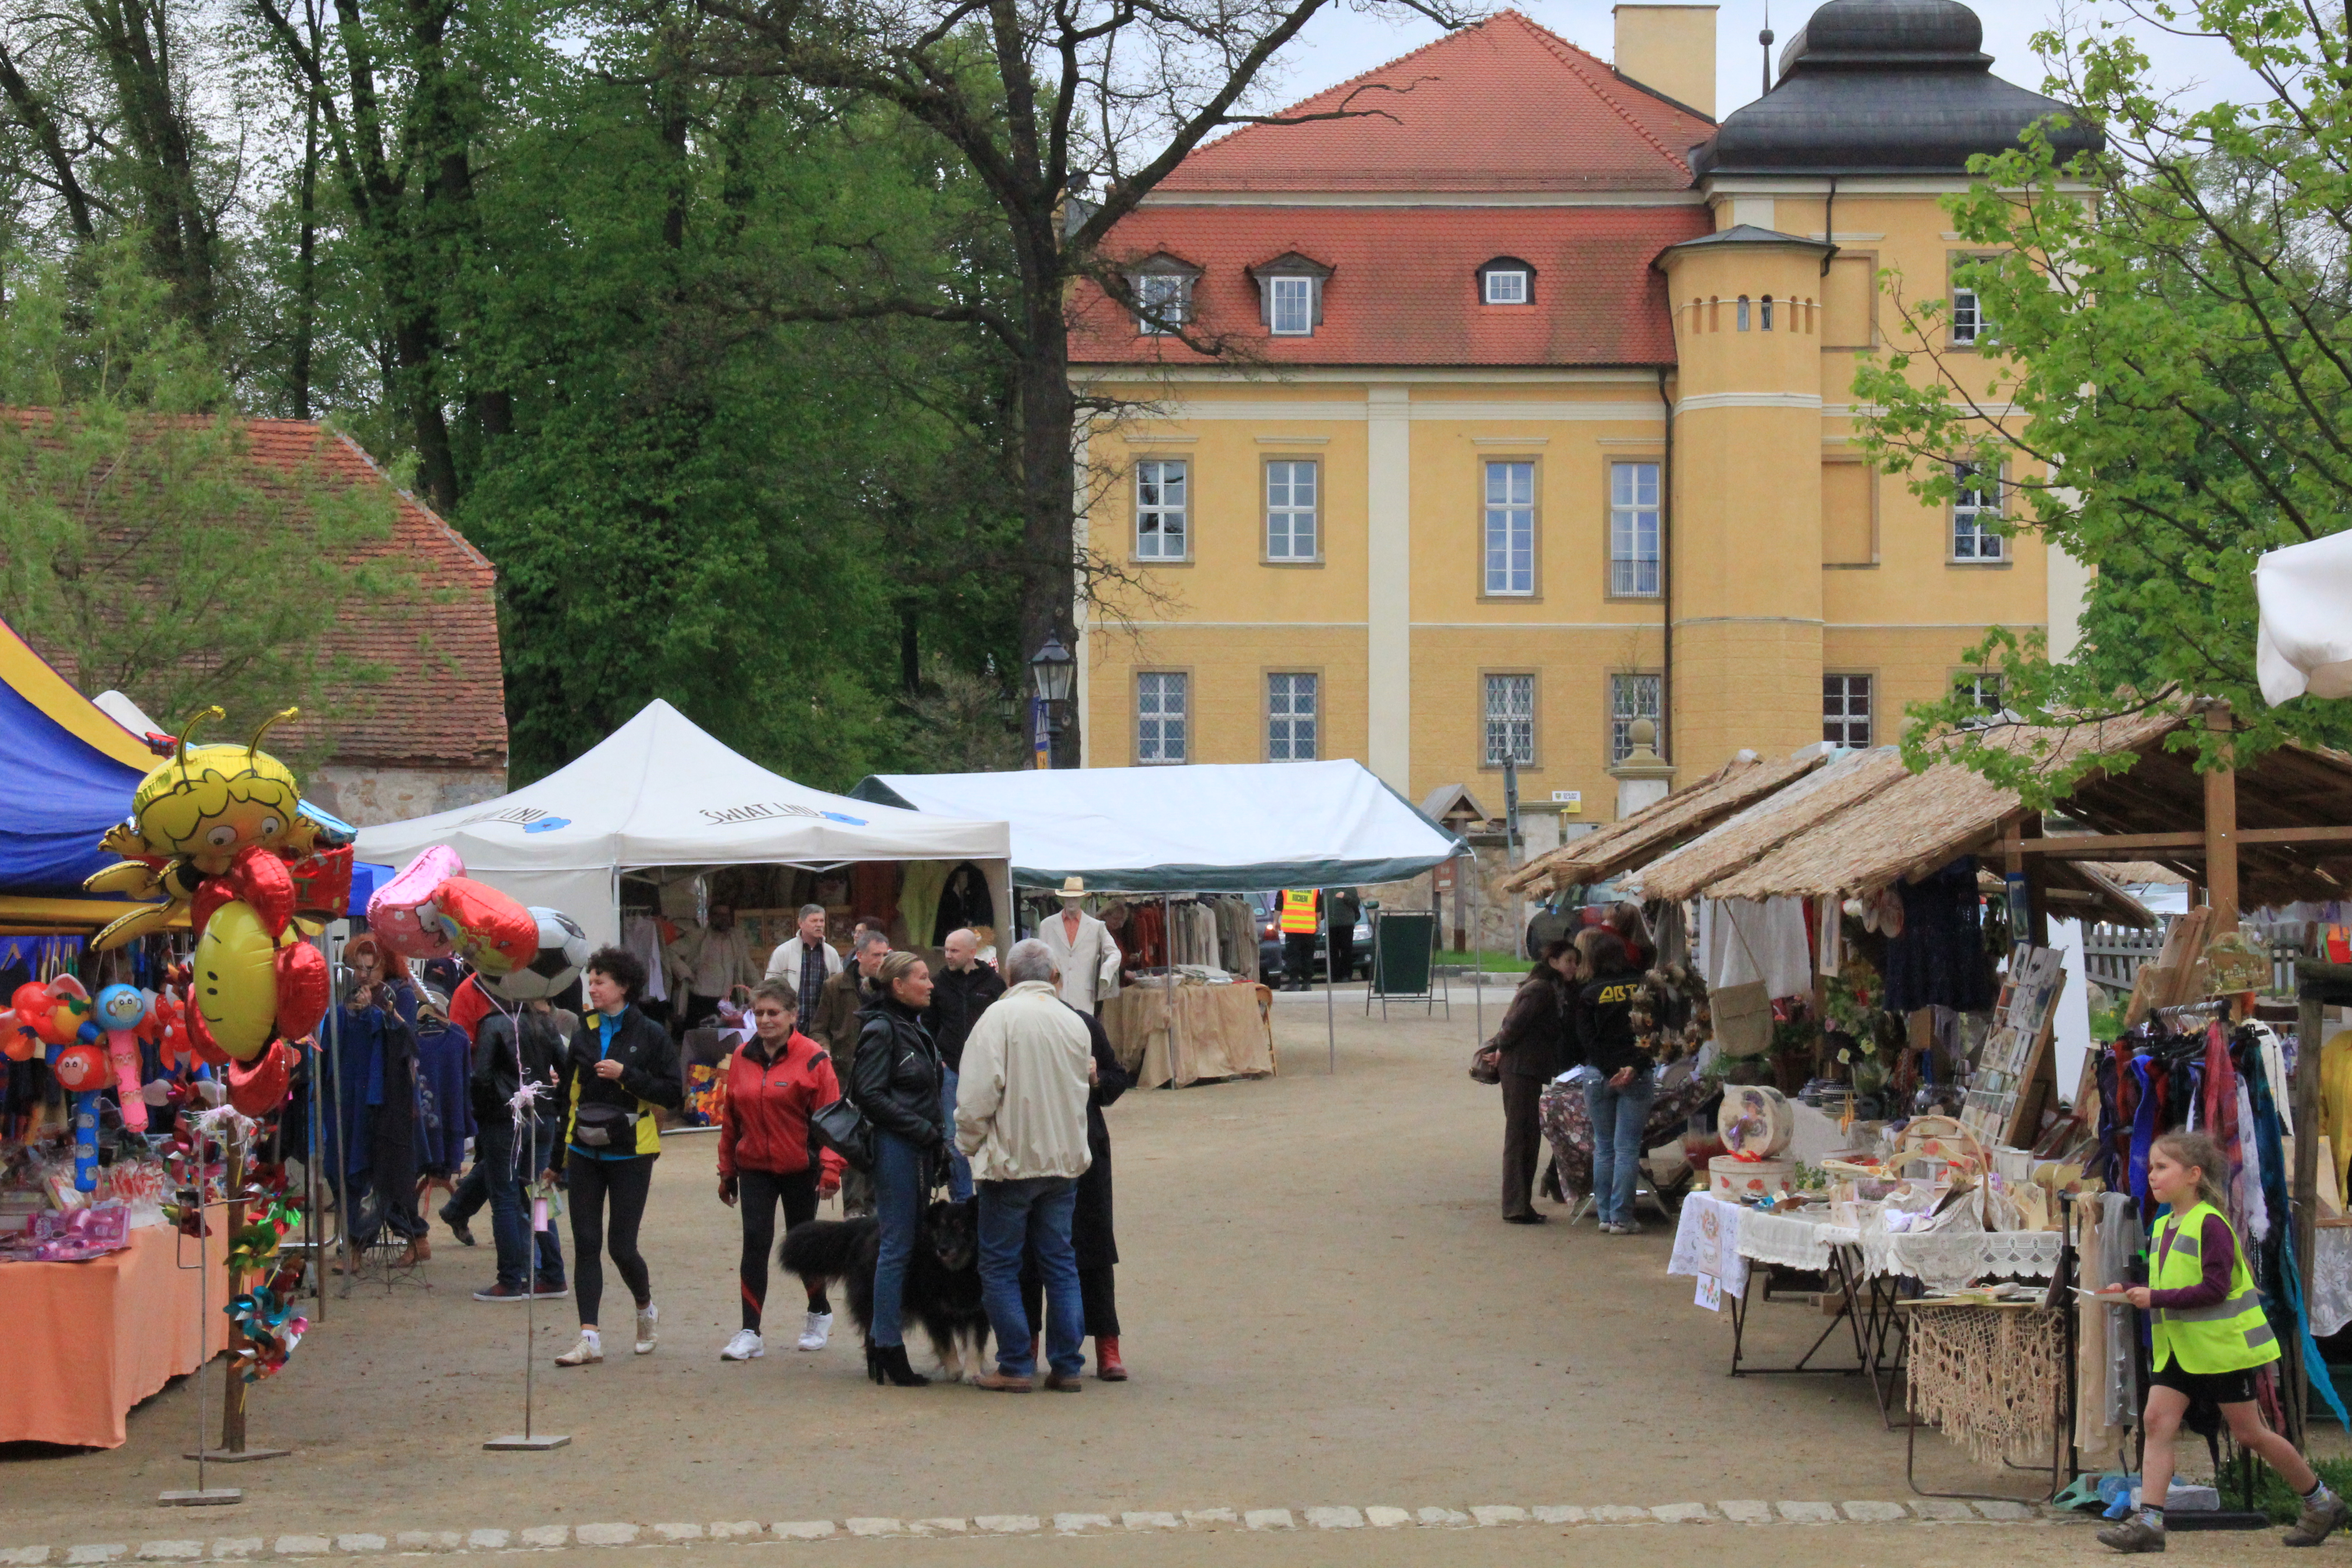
1301, 916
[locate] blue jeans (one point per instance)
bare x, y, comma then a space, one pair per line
958, 1168
1618, 1117
1024, 1214
502, 1172
901, 1172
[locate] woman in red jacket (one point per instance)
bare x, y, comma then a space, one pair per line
765, 1157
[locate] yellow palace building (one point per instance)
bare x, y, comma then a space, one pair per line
1515, 406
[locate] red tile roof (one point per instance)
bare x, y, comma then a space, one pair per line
443, 702
1503, 106
1404, 288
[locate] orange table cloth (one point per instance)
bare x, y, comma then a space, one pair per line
89, 1340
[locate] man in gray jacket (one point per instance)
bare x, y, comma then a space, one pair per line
1020, 1119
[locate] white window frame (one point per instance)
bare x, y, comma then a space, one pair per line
1508, 723
1508, 530
1984, 688
1967, 318
1520, 293
1632, 525
1842, 713
1293, 715
1633, 694
1169, 521
1164, 301
1768, 313
1972, 505
1162, 726
1293, 528
1286, 291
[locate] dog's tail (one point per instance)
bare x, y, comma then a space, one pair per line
825, 1249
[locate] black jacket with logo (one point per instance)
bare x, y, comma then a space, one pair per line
1605, 1023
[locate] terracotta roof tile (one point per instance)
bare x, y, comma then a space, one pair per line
1404, 287
443, 703
1503, 106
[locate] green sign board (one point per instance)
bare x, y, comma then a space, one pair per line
1404, 952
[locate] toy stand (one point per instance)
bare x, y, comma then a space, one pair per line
232, 1450
526, 1440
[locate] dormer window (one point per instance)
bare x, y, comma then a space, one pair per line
1507, 280
1163, 294
1290, 294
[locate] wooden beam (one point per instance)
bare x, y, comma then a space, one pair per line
2302, 1196
2094, 846
2221, 837
2247, 835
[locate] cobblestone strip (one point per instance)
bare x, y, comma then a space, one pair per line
1748, 1511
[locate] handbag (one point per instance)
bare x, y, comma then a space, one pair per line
841, 1127
1742, 1019
596, 1125
1486, 1064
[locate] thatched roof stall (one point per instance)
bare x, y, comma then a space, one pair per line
1772, 822
1654, 829
2275, 831
2080, 892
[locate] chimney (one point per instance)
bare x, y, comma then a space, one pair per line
1670, 49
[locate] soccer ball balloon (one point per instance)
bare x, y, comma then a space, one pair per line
562, 949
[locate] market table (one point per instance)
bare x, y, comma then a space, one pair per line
88, 1341
1221, 1031
1992, 1376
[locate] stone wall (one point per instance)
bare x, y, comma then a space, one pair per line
1500, 918
369, 797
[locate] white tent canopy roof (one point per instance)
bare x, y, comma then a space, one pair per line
2304, 643
1204, 828
659, 791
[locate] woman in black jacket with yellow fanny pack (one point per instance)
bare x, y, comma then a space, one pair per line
620, 1067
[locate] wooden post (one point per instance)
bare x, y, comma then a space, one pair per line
232, 1387
2037, 884
2221, 840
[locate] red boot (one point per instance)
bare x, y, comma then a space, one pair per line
1108, 1368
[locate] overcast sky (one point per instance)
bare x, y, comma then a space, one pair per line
1339, 44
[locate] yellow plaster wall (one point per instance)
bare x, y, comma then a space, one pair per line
1228, 670
1572, 669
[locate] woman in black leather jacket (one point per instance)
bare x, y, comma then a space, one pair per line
895, 1079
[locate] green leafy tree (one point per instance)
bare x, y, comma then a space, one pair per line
143, 547
2170, 356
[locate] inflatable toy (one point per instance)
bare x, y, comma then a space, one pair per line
487, 928
121, 1010
254, 980
194, 816
562, 951
401, 913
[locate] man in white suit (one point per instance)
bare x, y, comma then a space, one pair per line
1083, 950
805, 962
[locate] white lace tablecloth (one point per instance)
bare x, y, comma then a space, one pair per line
1792, 1241
2331, 1280
1947, 1261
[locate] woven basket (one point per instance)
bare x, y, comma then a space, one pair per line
1942, 1138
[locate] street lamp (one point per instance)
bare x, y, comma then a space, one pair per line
1052, 675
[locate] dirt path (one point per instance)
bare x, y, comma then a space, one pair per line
1322, 1308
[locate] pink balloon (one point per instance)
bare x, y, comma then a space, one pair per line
402, 913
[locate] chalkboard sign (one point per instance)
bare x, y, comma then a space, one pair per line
1404, 954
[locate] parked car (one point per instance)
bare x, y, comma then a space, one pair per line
1271, 965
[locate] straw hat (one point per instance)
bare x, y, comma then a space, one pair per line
1073, 887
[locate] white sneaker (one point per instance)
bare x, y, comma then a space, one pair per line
590, 1348
745, 1346
818, 1330
648, 1316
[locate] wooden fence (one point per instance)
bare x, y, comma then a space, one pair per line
2112, 954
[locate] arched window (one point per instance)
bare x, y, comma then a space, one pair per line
1743, 313
1768, 313
1713, 314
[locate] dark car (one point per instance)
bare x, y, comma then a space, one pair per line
1271, 965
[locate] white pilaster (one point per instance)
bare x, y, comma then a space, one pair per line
2070, 591
1387, 609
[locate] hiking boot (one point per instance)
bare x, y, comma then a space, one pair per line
2318, 1520
1066, 1383
1001, 1382
2134, 1534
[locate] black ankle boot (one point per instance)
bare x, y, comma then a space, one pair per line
874, 1362
890, 1365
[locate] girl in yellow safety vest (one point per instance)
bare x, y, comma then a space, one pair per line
2210, 1335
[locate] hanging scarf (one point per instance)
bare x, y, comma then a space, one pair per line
2282, 1288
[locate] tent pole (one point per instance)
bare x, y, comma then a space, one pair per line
343, 1217
1330, 986
1168, 962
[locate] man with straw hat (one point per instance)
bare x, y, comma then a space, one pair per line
1083, 950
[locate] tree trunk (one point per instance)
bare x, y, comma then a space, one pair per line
306, 274
1048, 531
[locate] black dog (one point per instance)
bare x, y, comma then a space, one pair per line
942, 1291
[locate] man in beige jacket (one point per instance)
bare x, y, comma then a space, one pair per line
1020, 1119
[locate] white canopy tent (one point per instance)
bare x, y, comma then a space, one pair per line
1203, 829
659, 791
2305, 638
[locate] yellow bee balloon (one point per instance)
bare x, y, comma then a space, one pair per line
196, 813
